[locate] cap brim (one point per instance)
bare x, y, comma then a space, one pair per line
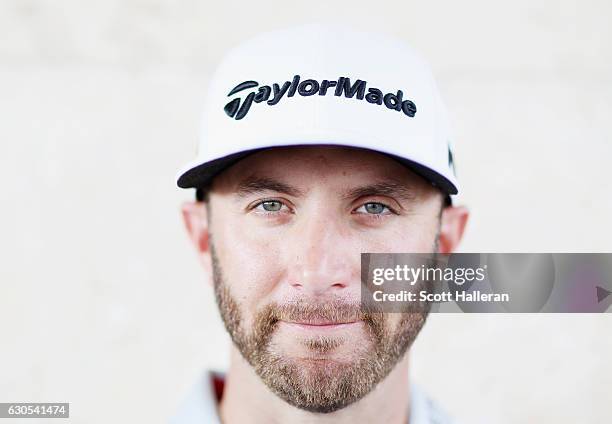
200, 174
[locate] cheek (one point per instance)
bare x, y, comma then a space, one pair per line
404, 235
249, 264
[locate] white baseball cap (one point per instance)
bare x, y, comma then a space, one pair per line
318, 84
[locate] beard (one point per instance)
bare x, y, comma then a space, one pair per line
320, 386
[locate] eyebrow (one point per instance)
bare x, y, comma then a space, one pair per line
256, 184
383, 188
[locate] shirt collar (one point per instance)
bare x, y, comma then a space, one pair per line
200, 404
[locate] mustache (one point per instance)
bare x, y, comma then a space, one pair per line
335, 311
313, 312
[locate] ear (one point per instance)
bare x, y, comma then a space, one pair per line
452, 225
196, 223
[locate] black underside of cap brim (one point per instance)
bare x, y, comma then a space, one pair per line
202, 175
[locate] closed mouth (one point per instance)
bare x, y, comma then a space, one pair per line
317, 323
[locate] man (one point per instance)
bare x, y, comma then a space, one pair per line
319, 144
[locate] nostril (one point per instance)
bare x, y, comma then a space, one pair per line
338, 285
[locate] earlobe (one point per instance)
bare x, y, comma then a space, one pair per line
452, 227
196, 224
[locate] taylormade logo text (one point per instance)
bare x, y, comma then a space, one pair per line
237, 108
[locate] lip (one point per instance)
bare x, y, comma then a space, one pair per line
320, 325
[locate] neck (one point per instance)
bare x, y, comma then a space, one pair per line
246, 399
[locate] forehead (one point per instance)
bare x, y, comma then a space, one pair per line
312, 165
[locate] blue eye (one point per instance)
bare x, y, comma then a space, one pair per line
271, 205
373, 208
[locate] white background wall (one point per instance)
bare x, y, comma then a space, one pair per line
102, 302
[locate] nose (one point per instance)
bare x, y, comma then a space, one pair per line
320, 259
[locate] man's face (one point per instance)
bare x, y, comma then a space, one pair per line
287, 229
